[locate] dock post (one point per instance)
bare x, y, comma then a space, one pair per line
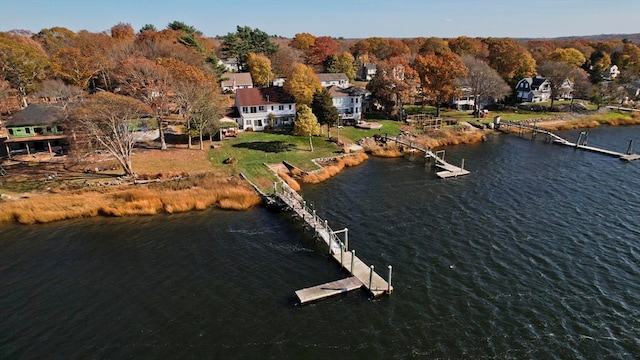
315, 220
353, 256
630, 148
462, 166
346, 239
370, 276
341, 255
326, 225
389, 280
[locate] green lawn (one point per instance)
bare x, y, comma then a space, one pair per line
253, 149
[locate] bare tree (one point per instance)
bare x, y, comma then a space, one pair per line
484, 82
108, 119
558, 74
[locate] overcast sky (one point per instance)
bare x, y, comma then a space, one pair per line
337, 18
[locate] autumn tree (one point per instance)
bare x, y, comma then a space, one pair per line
510, 59
559, 75
302, 83
23, 63
55, 38
187, 82
321, 49
260, 69
322, 107
238, 45
464, 45
343, 63
438, 76
123, 31
148, 82
434, 45
568, 56
109, 119
395, 83
303, 42
306, 124
484, 82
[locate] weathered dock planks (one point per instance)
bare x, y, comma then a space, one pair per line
448, 170
319, 292
357, 269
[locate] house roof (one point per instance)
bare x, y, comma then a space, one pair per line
37, 114
337, 92
324, 77
262, 96
241, 79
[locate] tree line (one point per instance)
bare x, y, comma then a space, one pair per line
177, 69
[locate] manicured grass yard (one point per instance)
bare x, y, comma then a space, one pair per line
253, 149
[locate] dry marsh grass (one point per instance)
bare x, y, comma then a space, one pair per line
196, 193
334, 168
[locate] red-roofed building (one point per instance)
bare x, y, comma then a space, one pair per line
262, 107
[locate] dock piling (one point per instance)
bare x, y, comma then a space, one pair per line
370, 276
389, 279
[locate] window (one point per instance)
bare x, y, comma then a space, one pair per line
253, 109
289, 106
27, 130
261, 108
280, 107
272, 107
245, 109
357, 99
10, 131
257, 122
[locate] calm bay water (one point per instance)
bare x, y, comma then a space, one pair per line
536, 254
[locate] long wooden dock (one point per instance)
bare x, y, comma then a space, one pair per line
447, 170
629, 156
360, 274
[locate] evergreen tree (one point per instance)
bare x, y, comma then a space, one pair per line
323, 109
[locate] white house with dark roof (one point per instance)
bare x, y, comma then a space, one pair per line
262, 107
334, 79
234, 81
538, 89
348, 102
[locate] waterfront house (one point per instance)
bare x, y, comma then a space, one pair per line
334, 79
262, 107
37, 128
233, 81
538, 89
348, 102
535, 89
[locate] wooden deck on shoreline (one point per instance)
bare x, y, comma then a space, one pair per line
360, 274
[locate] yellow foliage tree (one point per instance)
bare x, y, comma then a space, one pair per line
302, 84
306, 124
260, 69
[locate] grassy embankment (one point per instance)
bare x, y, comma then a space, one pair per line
212, 183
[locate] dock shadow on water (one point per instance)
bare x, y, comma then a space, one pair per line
532, 255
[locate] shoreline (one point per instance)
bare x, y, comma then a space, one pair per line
205, 190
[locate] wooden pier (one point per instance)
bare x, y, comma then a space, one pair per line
447, 170
360, 274
581, 143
